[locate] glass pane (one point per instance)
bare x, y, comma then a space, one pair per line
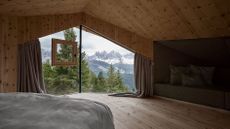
106, 66
64, 53
60, 80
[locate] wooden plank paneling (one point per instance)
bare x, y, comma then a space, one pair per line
8, 58
31, 27
16, 30
166, 19
152, 19
1, 53
119, 35
41, 7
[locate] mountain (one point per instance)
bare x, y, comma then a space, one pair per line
100, 61
46, 55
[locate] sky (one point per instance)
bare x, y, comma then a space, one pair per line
91, 43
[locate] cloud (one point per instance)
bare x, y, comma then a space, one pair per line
46, 40
90, 42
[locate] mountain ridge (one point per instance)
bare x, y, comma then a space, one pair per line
100, 61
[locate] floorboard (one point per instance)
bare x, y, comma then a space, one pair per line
160, 113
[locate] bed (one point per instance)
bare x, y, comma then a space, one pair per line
40, 111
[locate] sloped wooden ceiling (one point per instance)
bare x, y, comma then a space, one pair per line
153, 19
166, 19
41, 7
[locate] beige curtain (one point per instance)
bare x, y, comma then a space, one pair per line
143, 72
30, 77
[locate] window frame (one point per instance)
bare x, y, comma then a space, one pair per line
54, 61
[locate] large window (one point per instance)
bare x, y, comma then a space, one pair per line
109, 65
105, 66
60, 79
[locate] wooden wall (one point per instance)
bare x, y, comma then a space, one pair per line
8, 54
32, 27
119, 35
16, 30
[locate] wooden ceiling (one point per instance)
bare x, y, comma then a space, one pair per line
41, 7
153, 19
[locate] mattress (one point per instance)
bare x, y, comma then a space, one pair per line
39, 111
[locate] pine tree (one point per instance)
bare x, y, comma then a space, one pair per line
114, 81
119, 86
70, 35
100, 86
110, 81
93, 80
65, 52
86, 87
63, 80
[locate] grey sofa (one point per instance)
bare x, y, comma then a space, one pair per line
214, 52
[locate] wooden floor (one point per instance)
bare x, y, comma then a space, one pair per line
160, 113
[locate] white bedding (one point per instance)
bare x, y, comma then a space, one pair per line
37, 111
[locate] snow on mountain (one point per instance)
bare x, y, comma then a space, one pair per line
100, 61
112, 57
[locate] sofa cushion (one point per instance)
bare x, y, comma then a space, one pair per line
192, 79
193, 75
204, 74
176, 73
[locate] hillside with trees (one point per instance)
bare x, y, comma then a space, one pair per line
65, 80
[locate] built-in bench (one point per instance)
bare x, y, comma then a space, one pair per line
210, 52
207, 96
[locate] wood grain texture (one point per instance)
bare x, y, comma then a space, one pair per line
160, 113
1, 54
41, 7
133, 24
120, 36
17, 30
32, 27
54, 53
8, 54
166, 19
153, 19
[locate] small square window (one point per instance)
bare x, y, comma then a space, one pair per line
64, 53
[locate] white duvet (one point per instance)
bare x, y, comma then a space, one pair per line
37, 111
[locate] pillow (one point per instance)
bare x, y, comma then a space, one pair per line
176, 73
206, 73
192, 79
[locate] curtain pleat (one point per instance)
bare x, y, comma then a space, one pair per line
30, 77
143, 72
